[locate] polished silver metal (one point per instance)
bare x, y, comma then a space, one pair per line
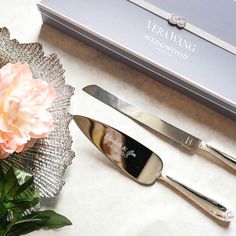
185, 139
141, 164
186, 25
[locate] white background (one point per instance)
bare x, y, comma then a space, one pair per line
97, 198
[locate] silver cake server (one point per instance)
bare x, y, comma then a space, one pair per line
141, 164
185, 139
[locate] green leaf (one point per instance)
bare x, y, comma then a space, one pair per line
1, 172
3, 225
20, 205
30, 194
16, 198
23, 227
17, 194
3, 211
17, 190
54, 220
39, 220
26, 185
9, 181
1, 181
22, 176
15, 202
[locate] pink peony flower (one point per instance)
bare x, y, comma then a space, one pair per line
24, 104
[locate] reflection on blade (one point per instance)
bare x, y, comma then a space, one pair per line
130, 156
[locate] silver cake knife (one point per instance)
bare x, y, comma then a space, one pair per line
185, 139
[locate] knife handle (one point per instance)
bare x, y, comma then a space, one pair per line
225, 158
210, 206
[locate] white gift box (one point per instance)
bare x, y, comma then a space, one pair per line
182, 59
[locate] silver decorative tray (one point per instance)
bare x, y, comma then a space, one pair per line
50, 156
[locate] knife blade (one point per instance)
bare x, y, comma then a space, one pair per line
158, 125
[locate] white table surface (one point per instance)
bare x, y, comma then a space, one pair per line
97, 198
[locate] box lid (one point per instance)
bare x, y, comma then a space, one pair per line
191, 60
